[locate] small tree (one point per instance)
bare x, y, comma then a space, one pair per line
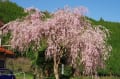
66, 32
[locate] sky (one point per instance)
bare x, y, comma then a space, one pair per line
107, 9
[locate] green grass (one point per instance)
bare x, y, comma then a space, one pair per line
23, 76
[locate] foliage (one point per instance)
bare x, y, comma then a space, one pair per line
10, 11
6, 38
46, 15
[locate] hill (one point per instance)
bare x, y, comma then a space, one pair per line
10, 11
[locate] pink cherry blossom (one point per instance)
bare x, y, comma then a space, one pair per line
67, 29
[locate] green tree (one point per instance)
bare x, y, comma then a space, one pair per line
101, 19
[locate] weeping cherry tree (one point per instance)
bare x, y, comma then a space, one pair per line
67, 31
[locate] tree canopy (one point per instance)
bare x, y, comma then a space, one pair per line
66, 32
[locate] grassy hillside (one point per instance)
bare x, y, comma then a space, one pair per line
113, 64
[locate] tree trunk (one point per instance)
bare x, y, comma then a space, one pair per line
56, 67
56, 71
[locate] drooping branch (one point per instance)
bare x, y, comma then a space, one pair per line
68, 29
